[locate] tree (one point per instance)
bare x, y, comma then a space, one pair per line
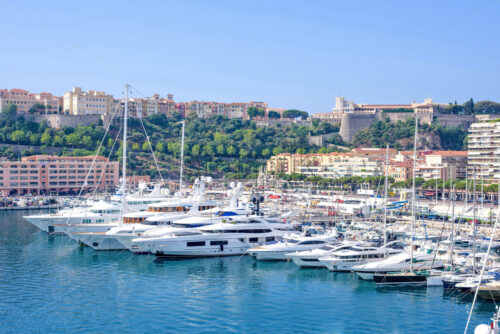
73, 139
9, 111
487, 107
46, 139
273, 114
231, 151
266, 153
58, 141
87, 142
195, 150
294, 113
469, 107
254, 112
220, 150
17, 136
243, 153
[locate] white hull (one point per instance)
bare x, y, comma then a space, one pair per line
307, 262
101, 241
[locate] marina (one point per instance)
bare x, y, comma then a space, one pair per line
51, 283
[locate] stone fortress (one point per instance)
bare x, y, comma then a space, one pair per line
354, 117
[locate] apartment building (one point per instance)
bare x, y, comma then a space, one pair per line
444, 165
78, 102
484, 150
331, 165
26, 102
46, 174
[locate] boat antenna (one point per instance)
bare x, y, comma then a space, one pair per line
413, 193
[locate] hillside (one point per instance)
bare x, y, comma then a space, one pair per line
217, 146
400, 136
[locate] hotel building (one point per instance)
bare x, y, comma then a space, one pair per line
46, 174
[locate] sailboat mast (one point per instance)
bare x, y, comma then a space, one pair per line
385, 193
182, 157
413, 193
452, 225
124, 158
474, 224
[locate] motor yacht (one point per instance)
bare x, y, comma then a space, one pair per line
310, 258
344, 259
397, 263
234, 236
280, 251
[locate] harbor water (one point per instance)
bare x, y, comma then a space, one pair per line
49, 284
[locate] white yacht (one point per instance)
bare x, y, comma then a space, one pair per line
232, 237
397, 263
344, 259
310, 258
280, 251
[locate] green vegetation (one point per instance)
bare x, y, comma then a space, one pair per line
399, 135
471, 108
214, 146
294, 113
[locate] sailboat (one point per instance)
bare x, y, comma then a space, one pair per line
411, 277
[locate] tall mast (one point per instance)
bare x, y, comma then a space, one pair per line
452, 225
124, 158
385, 193
474, 224
413, 193
182, 157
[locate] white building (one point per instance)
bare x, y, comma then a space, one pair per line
484, 150
78, 102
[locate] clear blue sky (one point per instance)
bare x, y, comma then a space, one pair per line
292, 54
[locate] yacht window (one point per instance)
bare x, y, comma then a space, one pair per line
218, 242
253, 221
270, 239
253, 240
195, 243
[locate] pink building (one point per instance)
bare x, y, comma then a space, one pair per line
45, 103
44, 174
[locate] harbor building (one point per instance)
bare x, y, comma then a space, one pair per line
26, 102
484, 150
46, 174
444, 165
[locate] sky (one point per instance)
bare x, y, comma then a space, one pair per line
291, 54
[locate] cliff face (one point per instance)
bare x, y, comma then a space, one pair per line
426, 141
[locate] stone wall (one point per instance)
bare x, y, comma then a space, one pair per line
61, 121
404, 116
456, 120
353, 123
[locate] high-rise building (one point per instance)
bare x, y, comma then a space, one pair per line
484, 151
44, 174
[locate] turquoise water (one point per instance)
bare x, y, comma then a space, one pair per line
49, 284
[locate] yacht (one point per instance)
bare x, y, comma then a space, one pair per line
344, 259
310, 258
234, 236
280, 251
397, 263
